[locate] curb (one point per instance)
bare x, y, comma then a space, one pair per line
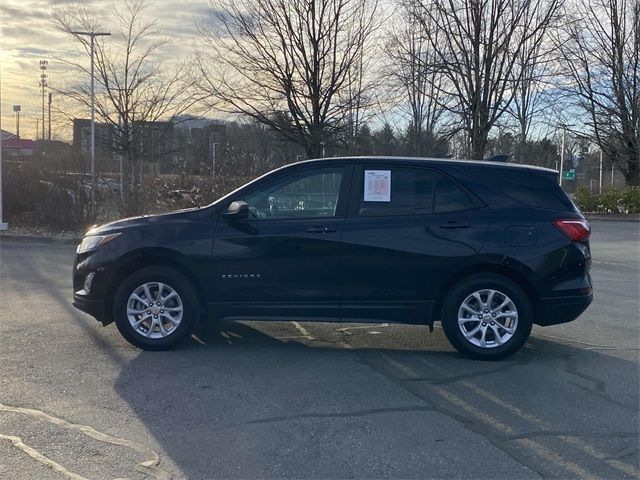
606, 218
40, 239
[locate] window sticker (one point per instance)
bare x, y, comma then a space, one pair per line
377, 185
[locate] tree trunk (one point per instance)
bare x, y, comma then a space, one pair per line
631, 174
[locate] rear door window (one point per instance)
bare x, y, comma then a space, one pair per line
389, 191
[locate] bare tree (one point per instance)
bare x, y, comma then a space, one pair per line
478, 44
288, 65
601, 49
132, 91
537, 69
361, 94
412, 75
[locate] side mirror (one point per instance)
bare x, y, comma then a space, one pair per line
237, 211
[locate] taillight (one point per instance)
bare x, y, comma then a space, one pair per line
576, 230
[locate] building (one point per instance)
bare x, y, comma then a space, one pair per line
14, 147
187, 143
82, 136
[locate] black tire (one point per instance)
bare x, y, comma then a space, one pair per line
174, 280
489, 281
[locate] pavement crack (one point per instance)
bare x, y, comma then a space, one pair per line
466, 376
470, 424
359, 413
631, 449
556, 433
599, 386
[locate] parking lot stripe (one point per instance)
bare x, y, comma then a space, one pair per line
302, 330
487, 419
576, 442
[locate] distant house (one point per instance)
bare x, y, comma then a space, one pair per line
13, 147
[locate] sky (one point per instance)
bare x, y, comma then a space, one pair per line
28, 35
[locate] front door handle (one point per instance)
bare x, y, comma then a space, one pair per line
320, 229
454, 225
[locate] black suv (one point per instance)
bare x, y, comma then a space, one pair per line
486, 248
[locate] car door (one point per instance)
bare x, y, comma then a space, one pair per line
409, 229
283, 261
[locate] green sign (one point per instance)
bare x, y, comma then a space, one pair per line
569, 174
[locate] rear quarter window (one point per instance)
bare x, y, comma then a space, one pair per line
534, 189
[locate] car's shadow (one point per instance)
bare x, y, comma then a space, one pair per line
237, 402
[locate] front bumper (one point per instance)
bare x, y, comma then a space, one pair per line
94, 307
555, 310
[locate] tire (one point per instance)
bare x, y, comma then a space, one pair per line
162, 325
470, 308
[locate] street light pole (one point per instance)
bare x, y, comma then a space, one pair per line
564, 133
92, 36
600, 179
16, 109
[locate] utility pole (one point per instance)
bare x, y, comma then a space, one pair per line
3, 226
92, 36
43, 85
49, 136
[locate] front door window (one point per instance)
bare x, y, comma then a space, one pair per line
313, 194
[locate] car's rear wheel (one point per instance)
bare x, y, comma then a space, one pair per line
487, 317
155, 308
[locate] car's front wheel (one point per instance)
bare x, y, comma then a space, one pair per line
487, 317
155, 308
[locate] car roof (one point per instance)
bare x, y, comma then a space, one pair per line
427, 161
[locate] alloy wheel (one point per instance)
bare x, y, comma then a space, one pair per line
154, 310
488, 318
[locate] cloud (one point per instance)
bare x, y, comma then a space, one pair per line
28, 34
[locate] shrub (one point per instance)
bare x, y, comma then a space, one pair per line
611, 201
34, 197
631, 200
585, 200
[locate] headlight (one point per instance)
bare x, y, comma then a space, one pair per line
94, 241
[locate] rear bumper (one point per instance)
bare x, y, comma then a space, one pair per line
555, 310
94, 307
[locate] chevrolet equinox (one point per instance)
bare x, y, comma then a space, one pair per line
486, 248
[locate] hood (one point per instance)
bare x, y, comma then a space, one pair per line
177, 216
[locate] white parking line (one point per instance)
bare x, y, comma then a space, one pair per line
301, 329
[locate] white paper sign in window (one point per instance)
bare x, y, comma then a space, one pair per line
377, 185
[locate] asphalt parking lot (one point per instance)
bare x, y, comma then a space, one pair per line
300, 400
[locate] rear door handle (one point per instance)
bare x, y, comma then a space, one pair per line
320, 229
454, 225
